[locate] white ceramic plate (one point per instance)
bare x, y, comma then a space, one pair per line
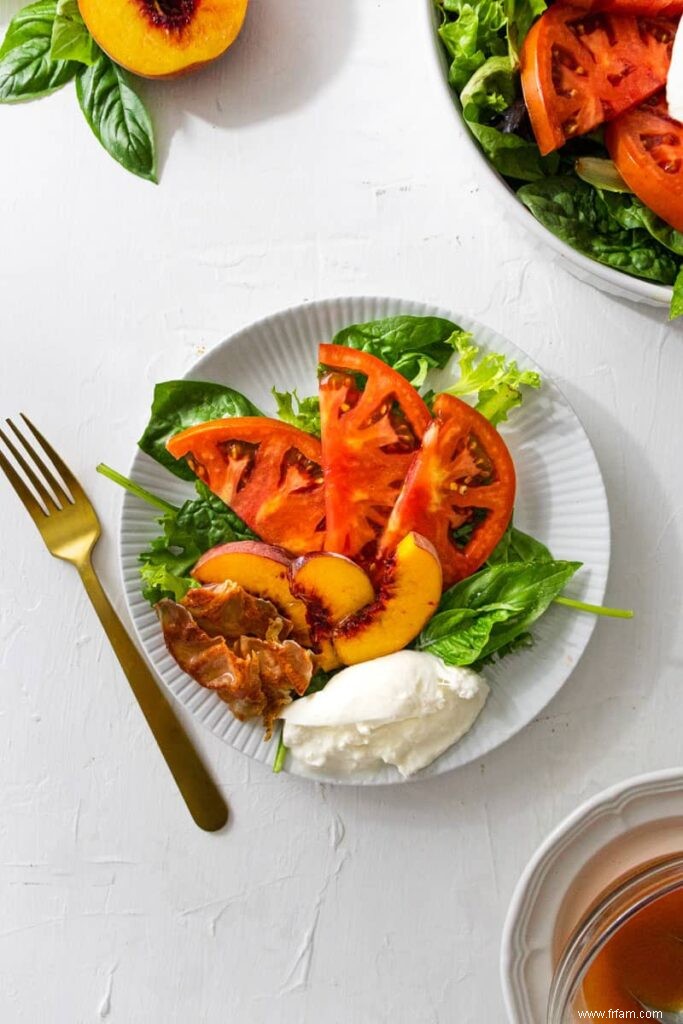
648, 810
614, 282
561, 500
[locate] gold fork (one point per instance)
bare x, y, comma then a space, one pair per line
70, 528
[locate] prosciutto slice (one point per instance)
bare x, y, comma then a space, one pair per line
254, 675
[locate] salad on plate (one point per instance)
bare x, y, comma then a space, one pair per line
349, 566
579, 107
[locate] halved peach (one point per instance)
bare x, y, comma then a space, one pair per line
263, 570
409, 594
163, 38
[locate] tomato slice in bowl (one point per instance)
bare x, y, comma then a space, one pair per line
582, 68
647, 147
372, 422
268, 472
459, 491
649, 8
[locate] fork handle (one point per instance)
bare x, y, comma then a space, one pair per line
204, 801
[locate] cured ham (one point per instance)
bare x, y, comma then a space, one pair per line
255, 675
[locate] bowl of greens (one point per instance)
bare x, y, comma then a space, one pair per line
564, 177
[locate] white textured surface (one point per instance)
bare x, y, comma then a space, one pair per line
320, 157
560, 499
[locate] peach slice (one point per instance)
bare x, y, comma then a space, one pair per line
261, 569
332, 586
409, 594
163, 38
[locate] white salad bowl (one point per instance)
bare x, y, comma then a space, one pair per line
614, 282
560, 499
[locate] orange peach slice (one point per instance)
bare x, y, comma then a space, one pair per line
332, 586
163, 38
263, 570
409, 594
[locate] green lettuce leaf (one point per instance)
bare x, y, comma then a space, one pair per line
306, 415
496, 382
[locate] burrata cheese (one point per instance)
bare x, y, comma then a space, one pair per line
404, 710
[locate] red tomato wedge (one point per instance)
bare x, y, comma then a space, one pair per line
459, 490
268, 472
647, 147
371, 428
648, 8
582, 68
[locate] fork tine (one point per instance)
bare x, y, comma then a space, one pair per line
38, 484
67, 476
29, 499
51, 479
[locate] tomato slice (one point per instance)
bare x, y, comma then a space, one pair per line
459, 491
647, 147
371, 428
649, 8
268, 472
580, 69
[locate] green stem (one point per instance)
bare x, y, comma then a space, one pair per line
135, 489
280, 753
595, 609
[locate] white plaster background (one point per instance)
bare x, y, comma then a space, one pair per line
319, 158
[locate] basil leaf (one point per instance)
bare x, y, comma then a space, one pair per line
178, 404
488, 611
27, 72
412, 345
186, 534
32, 22
516, 546
70, 38
117, 116
584, 218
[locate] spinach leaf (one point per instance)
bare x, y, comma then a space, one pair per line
117, 116
630, 213
511, 155
26, 68
487, 612
676, 308
178, 404
496, 382
412, 345
306, 416
71, 39
581, 216
186, 533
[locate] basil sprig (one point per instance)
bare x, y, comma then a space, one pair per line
47, 44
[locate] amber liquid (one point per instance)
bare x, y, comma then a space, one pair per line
644, 958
